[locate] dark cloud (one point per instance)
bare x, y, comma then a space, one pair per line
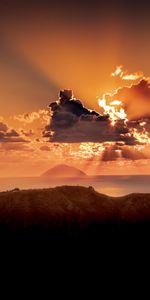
45, 148
27, 133
71, 122
112, 153
136, 99
131, 154
3, 127
9, 135
141, 124
9, 146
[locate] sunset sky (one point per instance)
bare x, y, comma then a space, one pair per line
100, 50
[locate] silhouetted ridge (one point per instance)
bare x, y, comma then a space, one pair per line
70, 203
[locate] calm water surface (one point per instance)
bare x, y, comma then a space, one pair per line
110, 185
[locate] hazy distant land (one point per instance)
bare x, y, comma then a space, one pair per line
112, 185
63, 171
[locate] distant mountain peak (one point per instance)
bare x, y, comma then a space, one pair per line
62, 170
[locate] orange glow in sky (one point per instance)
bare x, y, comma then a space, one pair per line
101, 52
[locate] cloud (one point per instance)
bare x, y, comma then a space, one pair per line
9, 146
29, 118
29, 133
9, 135
3, 127
71, 122
135, 98
119, 72
112, 153
45, 148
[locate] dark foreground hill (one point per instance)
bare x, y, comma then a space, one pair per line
71, 223
69, 206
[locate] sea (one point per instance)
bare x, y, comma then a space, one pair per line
110, 185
